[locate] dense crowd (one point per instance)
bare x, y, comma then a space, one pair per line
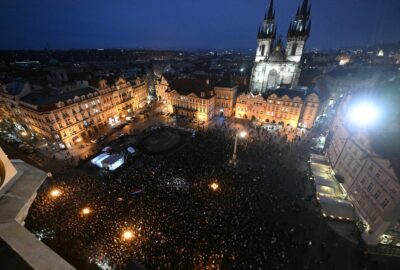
254, 220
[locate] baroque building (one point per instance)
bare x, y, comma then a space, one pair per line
69, 117
368, 165
199, 99
275, 65
283, 107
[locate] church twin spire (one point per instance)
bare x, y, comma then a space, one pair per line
300, 26
268, 28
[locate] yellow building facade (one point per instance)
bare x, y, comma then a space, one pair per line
287, 108
71, 117
225, 100
192, 98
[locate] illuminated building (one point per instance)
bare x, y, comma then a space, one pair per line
285, 107
225, 99
198, 99
70, 116
161, 86
192, 98
275, 65
344, 59
369, 168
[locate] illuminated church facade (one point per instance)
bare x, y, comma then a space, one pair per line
276, 65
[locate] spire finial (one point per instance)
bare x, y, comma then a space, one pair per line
270, 15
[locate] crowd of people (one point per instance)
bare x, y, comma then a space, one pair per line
255, 217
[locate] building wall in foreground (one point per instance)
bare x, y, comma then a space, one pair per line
370, 181
7, 170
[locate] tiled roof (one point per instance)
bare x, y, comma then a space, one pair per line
187, 86
48, 100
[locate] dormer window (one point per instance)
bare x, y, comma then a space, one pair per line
202, 94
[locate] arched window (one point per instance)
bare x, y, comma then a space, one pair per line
294, 49
273, 79
262, 49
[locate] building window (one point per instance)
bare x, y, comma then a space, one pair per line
370, 187
377, 194
384, 203
262, 49
294, 48
363, 180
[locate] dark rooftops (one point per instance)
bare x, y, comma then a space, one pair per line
291, 93
47, 100
187, 86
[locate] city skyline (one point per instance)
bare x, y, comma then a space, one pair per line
194, 25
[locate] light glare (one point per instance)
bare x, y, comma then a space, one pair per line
364, 114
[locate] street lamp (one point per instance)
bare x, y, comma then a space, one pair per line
127, 235
55, 193
242, 134
86, 211
214, 186
364, 114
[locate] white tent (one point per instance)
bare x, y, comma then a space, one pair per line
314, 158
325, 190
131, 150
113, 162
336, 208
98, 160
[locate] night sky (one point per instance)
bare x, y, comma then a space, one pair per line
187, 24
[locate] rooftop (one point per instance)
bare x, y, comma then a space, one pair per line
47, 99
196, 86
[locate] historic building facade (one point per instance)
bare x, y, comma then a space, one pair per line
277, 66
371, 180
285, 107
72, 116
225, 99
196, 98
192, 98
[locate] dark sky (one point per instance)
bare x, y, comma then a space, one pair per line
187, 24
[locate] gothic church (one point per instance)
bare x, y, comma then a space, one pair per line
276, 66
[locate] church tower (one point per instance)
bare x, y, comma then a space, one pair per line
276, 66
298, 33
266, 34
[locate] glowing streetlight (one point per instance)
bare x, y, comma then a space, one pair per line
363, 114
24, 133
127, 235
214, 186
242, 134
86, 211
55, 193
